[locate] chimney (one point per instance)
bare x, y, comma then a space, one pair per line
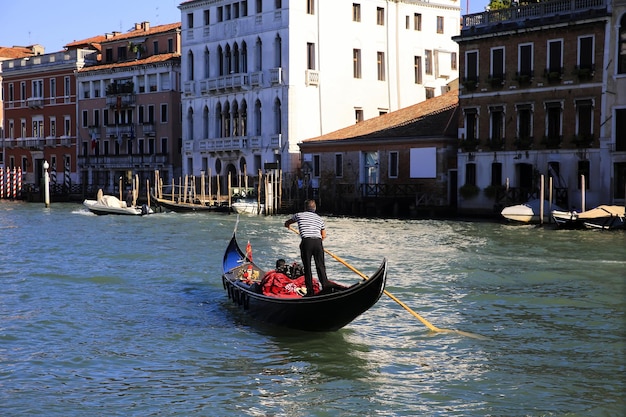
146, 26
138, 26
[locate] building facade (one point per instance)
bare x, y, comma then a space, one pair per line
129, 109
533, 104
399, 164
261, 76
40, 119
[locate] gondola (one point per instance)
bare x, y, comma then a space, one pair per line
329, 310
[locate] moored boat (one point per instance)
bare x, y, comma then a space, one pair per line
605, 217
109, 204
327, 310
248, 206
529, 212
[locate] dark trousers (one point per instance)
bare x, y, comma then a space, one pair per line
312, 248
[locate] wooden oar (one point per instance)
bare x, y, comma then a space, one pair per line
394, 298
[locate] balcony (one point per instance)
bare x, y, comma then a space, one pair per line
35, 102
548, 11
312, 77
120, 130
276, 75
148, 129
121, 101
121, 161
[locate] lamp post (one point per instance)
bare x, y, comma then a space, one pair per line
46, 183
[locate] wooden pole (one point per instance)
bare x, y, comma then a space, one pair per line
218, 196
229, 190
582, 193
148, 190
121, 198
541, 194
551, 196
202, 185
258, 193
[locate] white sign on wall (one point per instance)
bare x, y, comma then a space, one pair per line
423, 162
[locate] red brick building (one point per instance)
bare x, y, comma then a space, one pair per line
531, 104
396, 164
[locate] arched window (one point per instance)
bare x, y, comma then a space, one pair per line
218, 121
236, 68
278, 42
277, 117
621, 47
235, 118
205, 123
190, 65
257, 118
207, 64
258, 55
228, 62
190, 124
243, 119
244, 57
220, 55
226, 123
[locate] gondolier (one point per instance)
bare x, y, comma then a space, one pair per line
312, 231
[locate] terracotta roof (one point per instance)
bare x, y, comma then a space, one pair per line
149, 60
141, 32
93, 41
14, 52
433, 116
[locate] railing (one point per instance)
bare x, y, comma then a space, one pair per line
121, 161
531, 11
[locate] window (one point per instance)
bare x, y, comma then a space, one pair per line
555, 54
259, 6
163, 113
155, 47
37, 88
310, 48
356, 63
189, 20
380, 16
621, 47
316, 166
67, 126
453, 61
356, 12
497, 126
470, 174
417, 68
428, 62
620, 130
12, 93
496, 174
96, 118
407, 22
151, 113
585, 53
207, 63
53, 87
207, 17
338, 165
108, 55
85, 118
121, 52
584, 122
66, 88
417, 21
497, 64
525, 123
471, 66
310, 6
170, 45
553, 124
358, 115
439, 24
525, 60
380, 62
393, 164
430, 92
471, 124
23, 91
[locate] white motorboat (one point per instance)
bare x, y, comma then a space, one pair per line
243, 206
109, 204
529, 212
602, 217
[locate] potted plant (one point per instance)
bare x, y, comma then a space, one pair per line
468, 191
492, 191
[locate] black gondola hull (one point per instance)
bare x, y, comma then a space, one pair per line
323, 312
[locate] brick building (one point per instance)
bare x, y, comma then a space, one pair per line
532, 104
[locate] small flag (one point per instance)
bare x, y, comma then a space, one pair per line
249, 251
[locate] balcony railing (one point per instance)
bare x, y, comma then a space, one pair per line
121, 161
543, 9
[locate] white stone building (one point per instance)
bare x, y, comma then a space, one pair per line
260, 76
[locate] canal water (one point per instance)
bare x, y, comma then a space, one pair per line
127, 316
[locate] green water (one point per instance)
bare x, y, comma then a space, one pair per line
127, 316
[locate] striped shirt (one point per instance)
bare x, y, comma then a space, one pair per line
310, 224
